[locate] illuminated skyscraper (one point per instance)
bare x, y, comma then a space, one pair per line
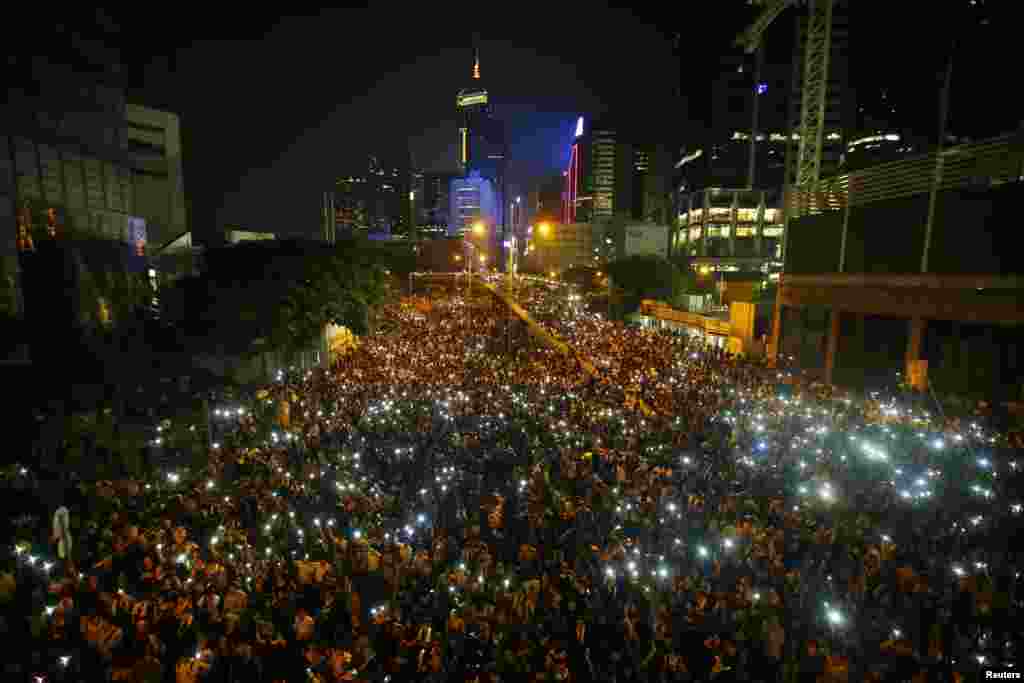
474, 199
481, 137
614, 172
482, 154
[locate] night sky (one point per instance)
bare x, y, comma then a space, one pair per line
273, 109
270, 119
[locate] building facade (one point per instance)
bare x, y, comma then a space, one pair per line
73, 150
351, 205
549, 199
159, 192
375, 201
482, 144
646, 239
877, 283
734, 229
474, 199
614, 172
558, 246
478, 197
435, 208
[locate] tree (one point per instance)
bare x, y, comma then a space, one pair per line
283, 292
684, 263
397, 257
647, 276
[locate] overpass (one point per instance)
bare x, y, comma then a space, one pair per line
929, 242
533, 328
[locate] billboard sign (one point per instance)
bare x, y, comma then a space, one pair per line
472, 98
647, 240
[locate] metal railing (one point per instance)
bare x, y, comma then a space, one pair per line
900, 281
989, 162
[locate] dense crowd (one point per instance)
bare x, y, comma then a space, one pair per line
431, 510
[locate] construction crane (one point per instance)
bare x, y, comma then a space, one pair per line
815, 78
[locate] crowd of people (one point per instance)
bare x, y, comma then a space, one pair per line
431, 510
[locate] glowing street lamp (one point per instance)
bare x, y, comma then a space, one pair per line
483, 258
479, 228
544, 229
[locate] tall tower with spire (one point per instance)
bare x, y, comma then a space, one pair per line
481, 159
473, 108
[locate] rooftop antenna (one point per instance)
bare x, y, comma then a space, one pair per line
476, 56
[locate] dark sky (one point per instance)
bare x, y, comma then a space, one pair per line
273, 109
270, 118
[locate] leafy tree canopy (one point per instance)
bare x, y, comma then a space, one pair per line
582, 276
281, 291
684, 263
647, 276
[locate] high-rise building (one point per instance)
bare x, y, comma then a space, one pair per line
77, 194
375, 202
350, 205
600, 174
70, 149
435, 208
155, 138
474, 199
558, 246
720, 154
549, 202
482, 162
615, 173
481, 137
389, 185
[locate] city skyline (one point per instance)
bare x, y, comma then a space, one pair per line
402, 95
750, 367
323, 96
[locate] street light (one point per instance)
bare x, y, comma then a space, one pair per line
544, 229
479, 228
483, 258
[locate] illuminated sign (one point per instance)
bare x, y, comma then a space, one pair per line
762, 88
465, 145
475, 98
579, 126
